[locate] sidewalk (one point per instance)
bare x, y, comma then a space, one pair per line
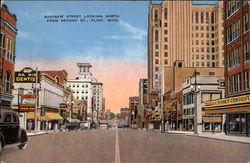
217, 136
35, 134
223, 137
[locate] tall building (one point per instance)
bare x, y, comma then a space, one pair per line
143, 91
86, 87
185, 35
98, 98
7, 56
236, 105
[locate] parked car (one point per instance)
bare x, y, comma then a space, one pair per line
72, 126
103, 126
10, 131
93, 126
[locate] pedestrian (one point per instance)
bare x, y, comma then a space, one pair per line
29, 126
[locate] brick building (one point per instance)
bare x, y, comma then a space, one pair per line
236, 105
7, 56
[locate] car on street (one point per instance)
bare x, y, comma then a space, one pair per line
72, 126
103, 125
11, 133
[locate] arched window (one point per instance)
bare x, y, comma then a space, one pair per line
7, 82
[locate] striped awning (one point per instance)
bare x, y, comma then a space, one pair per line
53, 116
30, 116
211, 119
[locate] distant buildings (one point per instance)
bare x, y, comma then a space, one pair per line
7, 56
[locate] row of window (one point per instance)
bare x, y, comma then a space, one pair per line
202, 35
233, 31
202, 57
203, 17
165, 46
165, 61
202, 28
78, 85
233, 58
197, 49
188, 111
156, 15
202, 64
9, 45
232, 7
234, 82
82, 98
79, 91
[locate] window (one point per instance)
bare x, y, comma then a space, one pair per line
202, 17
165, 32
7, 118
207, 17
212, 17
202, 57
7, 82
156, 15
208, 64
233, 58
211, 73
15, 119
166, 54
165, 61
197, 28
207, 35
166, 39
156, 46
156, 36
165, 24
212, 28
196, 17
156, 69
157, 61
202, 64
246, 80
208, 28
197, 64
245, 22
197, 42
246, 52
202, 28
233, 31
1, 40
232, 7
157, 54
165, 47
165, 13
208, 57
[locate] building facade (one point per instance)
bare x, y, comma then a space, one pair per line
193, 103
51, 95
181, 31
236, 105
98, 99
7, 56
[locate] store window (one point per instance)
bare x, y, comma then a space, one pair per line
156, 15
237, 123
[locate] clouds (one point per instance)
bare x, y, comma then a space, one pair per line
135, 33
23, 35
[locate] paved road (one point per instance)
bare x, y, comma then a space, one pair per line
129, 146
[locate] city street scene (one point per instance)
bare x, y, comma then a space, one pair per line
125, 81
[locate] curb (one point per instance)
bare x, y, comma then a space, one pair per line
38, 134
207, 137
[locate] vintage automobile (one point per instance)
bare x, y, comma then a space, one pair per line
11, 133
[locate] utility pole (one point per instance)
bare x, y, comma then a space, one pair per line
36, 104
162, 98
195, 92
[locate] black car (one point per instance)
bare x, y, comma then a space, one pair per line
10, 130
72, 126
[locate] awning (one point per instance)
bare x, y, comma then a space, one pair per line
211, 119
53, 116
30, 116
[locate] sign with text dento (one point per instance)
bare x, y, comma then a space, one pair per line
27, 75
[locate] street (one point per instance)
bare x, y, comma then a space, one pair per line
134, 146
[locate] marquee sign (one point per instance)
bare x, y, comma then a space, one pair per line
28, 100
228, 101
27, 75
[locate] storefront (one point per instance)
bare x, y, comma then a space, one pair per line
236, 112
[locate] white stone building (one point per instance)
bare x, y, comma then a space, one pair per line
85, 87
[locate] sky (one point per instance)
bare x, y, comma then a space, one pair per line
117, 50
